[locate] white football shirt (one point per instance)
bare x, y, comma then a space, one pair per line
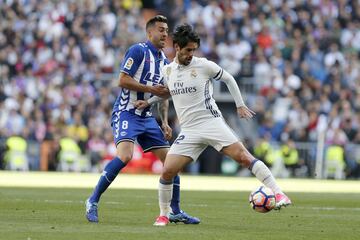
191, 89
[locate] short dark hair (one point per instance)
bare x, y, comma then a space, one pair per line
184, 34
157, 18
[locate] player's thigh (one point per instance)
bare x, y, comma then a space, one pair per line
125, 150
174, 163
218, 134
161, 153
152, 137
126, 127
188, 144
239, 153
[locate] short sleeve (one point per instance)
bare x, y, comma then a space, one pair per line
132, 60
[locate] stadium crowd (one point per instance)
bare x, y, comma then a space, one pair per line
57, 57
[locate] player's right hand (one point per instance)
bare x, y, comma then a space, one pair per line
141, 104
160, 91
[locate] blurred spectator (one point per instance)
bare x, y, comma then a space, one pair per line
96, 148
335, 162
265, 41
334, 56
290, 156
77, 130
262, 72
15, 155
69, 155
262, 150
314, 59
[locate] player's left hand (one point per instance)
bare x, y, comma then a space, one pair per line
167, 130
245, 112
141, 104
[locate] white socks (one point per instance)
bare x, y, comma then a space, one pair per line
165, 195
262, 172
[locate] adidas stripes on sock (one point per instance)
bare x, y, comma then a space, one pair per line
110, 172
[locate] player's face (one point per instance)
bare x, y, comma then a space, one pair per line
158, 34
185, 54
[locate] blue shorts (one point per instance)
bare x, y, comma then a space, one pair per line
129, 127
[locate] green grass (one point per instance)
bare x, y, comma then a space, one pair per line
58, 213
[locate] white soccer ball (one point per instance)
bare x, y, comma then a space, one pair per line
262, 199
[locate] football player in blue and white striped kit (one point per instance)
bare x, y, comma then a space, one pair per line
140, 78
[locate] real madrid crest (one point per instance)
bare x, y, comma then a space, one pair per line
168, 71
193, 73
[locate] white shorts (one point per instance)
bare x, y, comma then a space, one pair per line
192, 142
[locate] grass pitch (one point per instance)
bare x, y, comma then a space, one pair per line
58, 213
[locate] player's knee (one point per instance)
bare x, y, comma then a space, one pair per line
168, 174
125, 157
166, 177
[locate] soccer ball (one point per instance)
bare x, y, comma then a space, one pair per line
262, 199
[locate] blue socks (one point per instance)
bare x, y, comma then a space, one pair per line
109, 174
175, 201
112, 170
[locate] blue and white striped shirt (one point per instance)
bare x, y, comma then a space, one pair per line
143, 62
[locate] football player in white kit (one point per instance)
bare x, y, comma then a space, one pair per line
189, 80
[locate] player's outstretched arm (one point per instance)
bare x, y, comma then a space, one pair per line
242, 110
126, 81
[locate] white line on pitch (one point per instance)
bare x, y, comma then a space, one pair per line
190, 204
